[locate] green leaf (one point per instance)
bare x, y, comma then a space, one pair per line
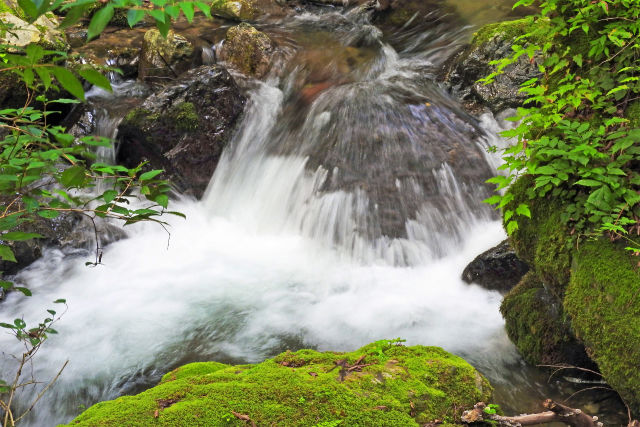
187, 9
134, 16
19, 236
5, 285
69, 82
511, 227
204, 7
48, 213
20, 324
589, 183
25, 291
523, 210
6, 254
95, 78
162, 200
99, 21
157, 14
73, 177
150, 175
109, 195
60, 301
29, 8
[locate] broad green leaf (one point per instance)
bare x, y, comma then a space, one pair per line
109, 195
69, 82
6, 254
162, 200
25, 291
150, 175
187, 9
48, 213
73, 176
95, 78
18, 236
134, 16
99, 21
29, 8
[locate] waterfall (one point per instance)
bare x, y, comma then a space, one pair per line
333, 219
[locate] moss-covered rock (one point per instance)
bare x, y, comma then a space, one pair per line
603, 299
536, 324
247, 50
492, 42
240, 10
162, 58
184, 128
404, 387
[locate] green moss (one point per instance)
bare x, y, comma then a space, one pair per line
542, 241
603, 299
184, 116
408, 386
535, 323
632, 113
137, 117
506, 29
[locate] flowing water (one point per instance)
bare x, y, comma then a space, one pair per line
343, 212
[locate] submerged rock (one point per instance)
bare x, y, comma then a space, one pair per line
380, 384
492, 42
247, 50
164, 58
499, 268
183, 128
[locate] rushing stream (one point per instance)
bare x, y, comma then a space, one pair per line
343, 212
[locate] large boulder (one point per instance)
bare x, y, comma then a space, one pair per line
492, 42
583, 292
247, 50
183, 128
379, 385
247, 10
498, 268
164, 58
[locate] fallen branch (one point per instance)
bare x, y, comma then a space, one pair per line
555, 413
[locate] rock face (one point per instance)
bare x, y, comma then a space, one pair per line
492, 42
162, 59
183, 128
247, 50
498, 268
380, 384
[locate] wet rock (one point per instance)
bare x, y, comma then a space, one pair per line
55, 232
247, 50
499, 268
239, 10
163, 59
492, 42
183, 128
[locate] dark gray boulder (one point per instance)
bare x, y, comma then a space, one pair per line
492, 42
497, 269
183, 128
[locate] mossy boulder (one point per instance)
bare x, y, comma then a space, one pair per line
239, 10
184, 128
492, 42
247, 50
536, 324
579, 298
603, 300
163, 58
405, 386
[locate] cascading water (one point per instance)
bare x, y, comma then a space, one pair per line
343, 212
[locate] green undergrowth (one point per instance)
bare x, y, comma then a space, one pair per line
394, 386
603, 299
509, 30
